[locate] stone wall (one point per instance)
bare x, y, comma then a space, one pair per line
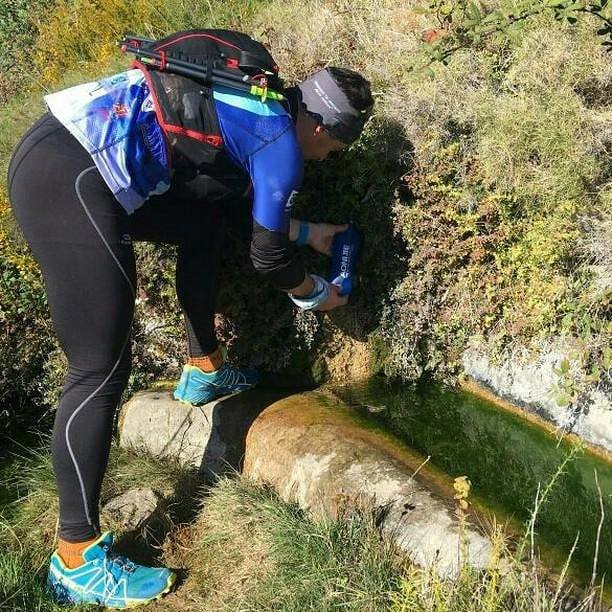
534, 380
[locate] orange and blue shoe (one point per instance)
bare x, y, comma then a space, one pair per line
197, 387
107, 579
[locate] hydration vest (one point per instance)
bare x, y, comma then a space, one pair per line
181, 71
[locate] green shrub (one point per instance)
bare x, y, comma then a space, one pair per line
27, 336
483, 192
509, 163
19, 23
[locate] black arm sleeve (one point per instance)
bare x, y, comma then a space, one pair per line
275, 258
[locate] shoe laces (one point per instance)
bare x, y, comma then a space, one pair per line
115, 566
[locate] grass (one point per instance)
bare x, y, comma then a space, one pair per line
28, 517
237, 546
283, 560
21, 584
504, 232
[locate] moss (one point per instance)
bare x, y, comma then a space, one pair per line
379, 354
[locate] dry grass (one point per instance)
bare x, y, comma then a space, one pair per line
228, 550
242, 548
595, 244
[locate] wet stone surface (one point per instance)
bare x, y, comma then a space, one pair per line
311, 453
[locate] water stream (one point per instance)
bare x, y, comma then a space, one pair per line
506, 458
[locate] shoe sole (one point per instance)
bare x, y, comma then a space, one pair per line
134, 603
200, 404
190, 404
144, 602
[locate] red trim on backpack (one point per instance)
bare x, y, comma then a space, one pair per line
232, 63
219, 40
211, 139
156, 106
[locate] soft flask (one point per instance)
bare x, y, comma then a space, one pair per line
345, 251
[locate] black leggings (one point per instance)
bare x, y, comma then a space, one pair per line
82, 240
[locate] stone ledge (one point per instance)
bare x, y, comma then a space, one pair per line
210, 437
311, 453
529, 382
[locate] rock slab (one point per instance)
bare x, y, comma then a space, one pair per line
210, 437
154, 422
133, 509
317, 456
310, 449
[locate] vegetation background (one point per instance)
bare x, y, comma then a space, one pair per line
482, 184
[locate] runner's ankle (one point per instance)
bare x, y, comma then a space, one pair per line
208, 363
71, 553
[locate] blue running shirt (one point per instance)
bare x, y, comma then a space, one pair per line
115, 120
260, 138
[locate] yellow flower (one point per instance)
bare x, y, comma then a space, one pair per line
462, 486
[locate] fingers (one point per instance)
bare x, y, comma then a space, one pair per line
343, 300
334, 300
335, 290
336, 304
322, 236
334, 228
328, 246
328, 241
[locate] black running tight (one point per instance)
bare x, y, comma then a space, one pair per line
82, 239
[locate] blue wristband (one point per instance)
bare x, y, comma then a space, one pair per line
302, 238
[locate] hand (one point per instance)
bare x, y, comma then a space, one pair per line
321, 236
334, 300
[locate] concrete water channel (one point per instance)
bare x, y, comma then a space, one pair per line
373, 436
352, 436
507, 459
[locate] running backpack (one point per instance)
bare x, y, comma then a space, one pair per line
180, 71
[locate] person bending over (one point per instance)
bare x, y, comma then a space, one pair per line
113, 162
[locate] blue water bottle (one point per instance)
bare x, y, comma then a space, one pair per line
345, 251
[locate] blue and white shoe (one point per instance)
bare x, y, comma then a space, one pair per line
107, 579
197, 387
